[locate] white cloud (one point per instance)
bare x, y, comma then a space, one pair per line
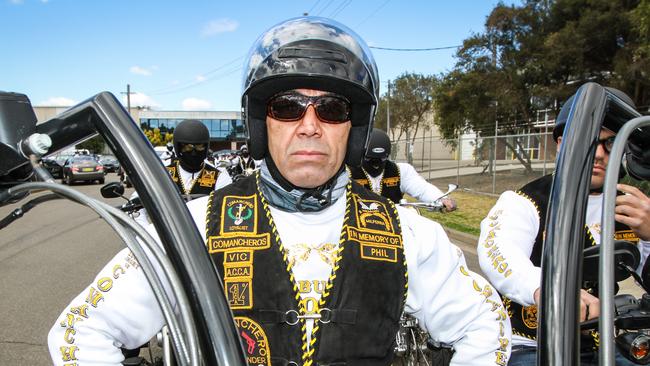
139, 70
140, 100
218, 26
45, 1
58, 102
196, 104
200, 78
16, 2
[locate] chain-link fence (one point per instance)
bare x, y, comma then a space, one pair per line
480, 164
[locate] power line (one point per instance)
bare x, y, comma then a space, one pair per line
344, 4
414, 49
326, 6
373, 13
313, 7
186, 84
219, 76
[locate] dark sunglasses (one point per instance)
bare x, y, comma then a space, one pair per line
607, 143
292, 107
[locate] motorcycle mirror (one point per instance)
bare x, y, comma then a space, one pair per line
112, 190
450, 188
625, 253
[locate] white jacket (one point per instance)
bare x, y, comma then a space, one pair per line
453, 306
514, 222
411, 183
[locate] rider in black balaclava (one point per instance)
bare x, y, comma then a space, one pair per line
377, 153
191, 140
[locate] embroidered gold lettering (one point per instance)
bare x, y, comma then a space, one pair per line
69, 321
379, 238
238, 257
80, 310
94, 297
68, 336
68, 353
105, 284
117, 269
310, 305
219, 244
319, 286
304, 286
243, 271
380, 253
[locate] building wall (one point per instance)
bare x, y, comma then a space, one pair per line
226, 127
218, 139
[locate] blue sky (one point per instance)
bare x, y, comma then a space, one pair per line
187, 55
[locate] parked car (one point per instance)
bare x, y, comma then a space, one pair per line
82, 168
110, 164
53, 167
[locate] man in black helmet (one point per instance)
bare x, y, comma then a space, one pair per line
510, 244
244, 164
188, 168
313, 265
393, 180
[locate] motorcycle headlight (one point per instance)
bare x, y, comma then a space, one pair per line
635, 347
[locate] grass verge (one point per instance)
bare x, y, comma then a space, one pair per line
472, 208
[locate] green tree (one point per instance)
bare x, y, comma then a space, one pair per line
409, 102
531, 56
156, 137
95, 145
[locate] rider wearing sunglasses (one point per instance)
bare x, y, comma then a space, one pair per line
188, 169
517, 243
392, 180
313, 265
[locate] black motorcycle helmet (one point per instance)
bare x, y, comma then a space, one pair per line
377, 153
317, 53
191, 142
567, 107
613, 122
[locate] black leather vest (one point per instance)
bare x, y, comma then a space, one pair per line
360, 305
203, 184
390, 181
524, 318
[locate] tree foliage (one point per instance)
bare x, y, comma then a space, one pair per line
156, 138
534, 56
95, 145
410, 101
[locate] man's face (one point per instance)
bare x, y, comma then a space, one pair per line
600, 159
308, 152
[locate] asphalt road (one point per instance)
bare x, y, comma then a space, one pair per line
49, 256
46, 258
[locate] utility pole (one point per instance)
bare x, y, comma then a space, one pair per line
128, 98
388, 110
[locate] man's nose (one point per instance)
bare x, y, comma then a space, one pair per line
310, 124
600, 151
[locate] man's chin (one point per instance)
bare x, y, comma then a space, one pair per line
312, 180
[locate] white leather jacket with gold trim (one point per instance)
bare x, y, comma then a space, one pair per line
506, 242
454, 307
